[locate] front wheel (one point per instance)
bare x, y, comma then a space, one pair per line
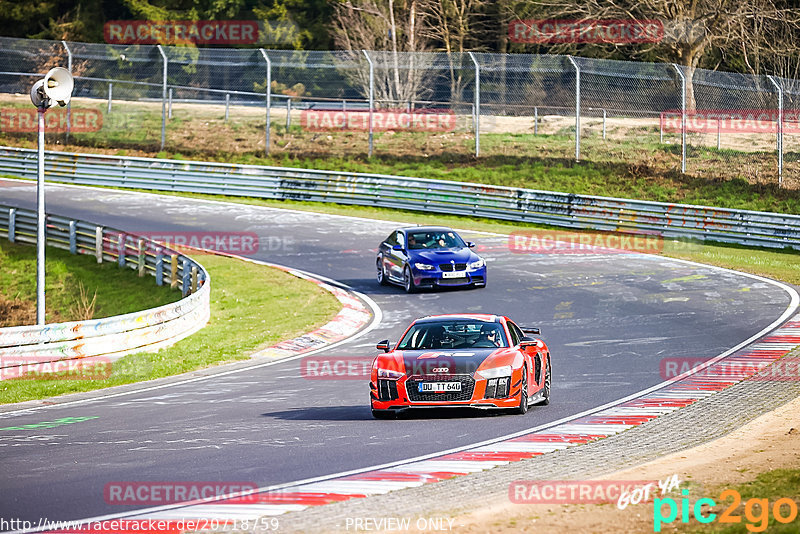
522, 409
408, 281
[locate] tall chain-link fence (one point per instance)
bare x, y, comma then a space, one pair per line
660, 117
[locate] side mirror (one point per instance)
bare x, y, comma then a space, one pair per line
383, 345
470, 244
397, 247
534, 331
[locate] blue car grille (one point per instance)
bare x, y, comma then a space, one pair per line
448, 267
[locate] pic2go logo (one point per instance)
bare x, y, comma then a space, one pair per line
756, 511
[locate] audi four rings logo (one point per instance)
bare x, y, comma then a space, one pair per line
440, 369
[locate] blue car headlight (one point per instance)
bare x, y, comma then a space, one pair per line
423, 266
477, 264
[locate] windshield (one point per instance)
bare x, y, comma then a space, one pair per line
459, 334
433, 240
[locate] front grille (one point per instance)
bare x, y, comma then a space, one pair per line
467, 386
387, 390
448, 267
452, 281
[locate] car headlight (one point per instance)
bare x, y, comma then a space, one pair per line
477, 264
390, 374
423, 266
496, 372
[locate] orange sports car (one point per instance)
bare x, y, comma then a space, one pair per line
478, 361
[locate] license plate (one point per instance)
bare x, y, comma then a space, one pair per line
454, 274
439, 387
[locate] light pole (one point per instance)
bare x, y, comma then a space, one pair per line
56, 86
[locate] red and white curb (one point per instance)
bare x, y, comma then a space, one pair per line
605, 421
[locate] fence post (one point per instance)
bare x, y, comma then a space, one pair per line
719, 133
535, 120
110, 89
163, 98
268, 98
683, 117
288, 113
69, 104
12, 224
477, 125
604, 124
121, 246
173, 278
194, 279
577, 108
779, 134
169, 105
159, 268
227, 105
371, 98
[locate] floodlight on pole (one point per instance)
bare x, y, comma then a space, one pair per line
55, 87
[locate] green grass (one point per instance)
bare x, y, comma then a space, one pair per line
770, 485
252, 307
71, 282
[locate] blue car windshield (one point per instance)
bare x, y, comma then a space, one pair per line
434, 240
461, 334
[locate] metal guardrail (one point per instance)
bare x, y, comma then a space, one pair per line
111, 337
435, 196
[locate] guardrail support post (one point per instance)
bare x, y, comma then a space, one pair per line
371, 99
69, 104
12, 224
121, 249
577, 108
683, 117
41, 223
477, 104
779, 134
73, 238
98, 243
194, 278
185, 279
159, 268
141, 258
268, 98
163, 98
173, 279
110, 92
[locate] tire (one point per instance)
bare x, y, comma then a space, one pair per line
383, 414
381, 274
408, 281
546, 389
522, 409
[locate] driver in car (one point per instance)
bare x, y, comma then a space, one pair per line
488, 337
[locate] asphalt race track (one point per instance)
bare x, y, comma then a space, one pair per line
609, 320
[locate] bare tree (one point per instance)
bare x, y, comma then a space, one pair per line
693, 29
395, 26
455, 24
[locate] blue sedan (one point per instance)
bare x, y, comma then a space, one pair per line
429, 256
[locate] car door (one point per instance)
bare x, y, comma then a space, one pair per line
531, 355
396, 258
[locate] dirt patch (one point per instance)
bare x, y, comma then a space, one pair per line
15, 312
